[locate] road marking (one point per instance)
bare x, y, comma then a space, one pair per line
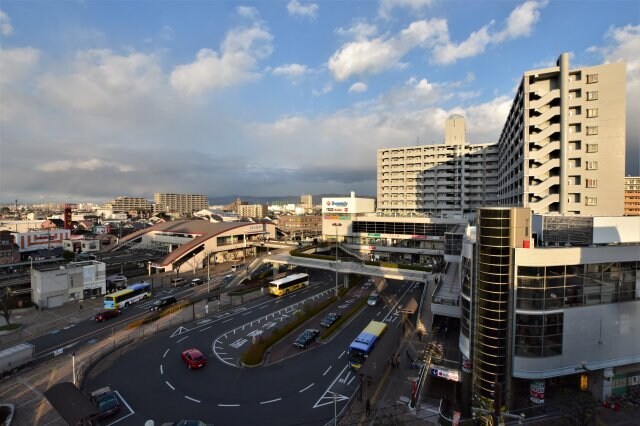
302, 390
228, 405
165, 353
203, 322
230, 319
329, 387
345, 377
343, 352
206, 328
161, 372
192, 399
351, 380
185, 337
179, 331
246, 313
327, 370
273, 400
169, 384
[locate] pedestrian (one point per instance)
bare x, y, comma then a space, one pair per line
420, 335
368, 407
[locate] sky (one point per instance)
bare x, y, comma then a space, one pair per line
100, 99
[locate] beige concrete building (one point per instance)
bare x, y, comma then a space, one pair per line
301, 225
127, 204
454, 178
306, 201
179, 203
562, 148
632, 196
253, 210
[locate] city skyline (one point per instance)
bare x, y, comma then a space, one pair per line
222, 98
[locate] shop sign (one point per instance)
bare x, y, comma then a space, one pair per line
373, 235
467, 365
445, 373
536, 391
584, 382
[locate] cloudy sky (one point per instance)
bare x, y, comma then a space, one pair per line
100, 99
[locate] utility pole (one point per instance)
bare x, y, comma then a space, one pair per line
497, 401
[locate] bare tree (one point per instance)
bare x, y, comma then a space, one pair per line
6, 298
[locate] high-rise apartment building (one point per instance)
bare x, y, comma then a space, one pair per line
306, 201
253, 210
453, 178
562, 148
632, 196
127, 204
179, 203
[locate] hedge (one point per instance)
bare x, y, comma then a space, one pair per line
327, 332
157, 315
255, 354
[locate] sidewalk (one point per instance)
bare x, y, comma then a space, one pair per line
390, 397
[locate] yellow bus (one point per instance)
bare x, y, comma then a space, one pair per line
288, 284
123, 298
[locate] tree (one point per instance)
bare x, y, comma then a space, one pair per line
6, 299
579, 407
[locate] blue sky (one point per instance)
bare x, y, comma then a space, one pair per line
100, 99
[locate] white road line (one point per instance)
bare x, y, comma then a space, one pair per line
262, 307
124, 402
206, 328
169, 384
161, 372
273, 400
222, 353
121, 418
165, 353
351, 380
230, 319
343, 352
185, 337
327, 370
192, 399
228, 405
246, 313
302, 390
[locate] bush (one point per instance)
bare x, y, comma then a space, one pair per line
255, 354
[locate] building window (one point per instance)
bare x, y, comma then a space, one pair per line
592, 112
590, 201
592, 130
592, 96
592, 78
539, 335
592, 183
592, 165
592, 147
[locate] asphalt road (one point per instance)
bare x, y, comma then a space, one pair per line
154, 383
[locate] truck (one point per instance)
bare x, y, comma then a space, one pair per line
16, 357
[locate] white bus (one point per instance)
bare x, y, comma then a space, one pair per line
288, 284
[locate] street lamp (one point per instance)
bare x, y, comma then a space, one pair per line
336, 225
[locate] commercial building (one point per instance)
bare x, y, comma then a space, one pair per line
179, 203
537, 314
562, 148
300, 225
632, 196
253, 210
306, 201
72, 282
454, 178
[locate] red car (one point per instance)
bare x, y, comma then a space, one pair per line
105, 315
194, 358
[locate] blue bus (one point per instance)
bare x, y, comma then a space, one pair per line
128, 296
362, 346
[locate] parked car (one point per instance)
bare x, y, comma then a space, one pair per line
329, 319
105, 315
177, 282
194, 358
306, 338
106, 401
163, 303
196, 282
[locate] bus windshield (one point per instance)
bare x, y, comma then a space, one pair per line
288, 284
362, 346
129, 295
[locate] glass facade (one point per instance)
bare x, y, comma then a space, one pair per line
466, 296
403, 228
491, 331
539, 335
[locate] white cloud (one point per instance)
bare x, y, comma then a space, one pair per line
90, 164
6, 29
308, 10
380, 54
16, 63
359, 31
166, 33
291, 70
520, 23
102, 81
358, 87
240, 52
327, 88
248, 12
416, 6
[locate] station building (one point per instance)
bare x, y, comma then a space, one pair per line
193, 243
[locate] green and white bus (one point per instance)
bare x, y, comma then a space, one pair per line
128, 296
